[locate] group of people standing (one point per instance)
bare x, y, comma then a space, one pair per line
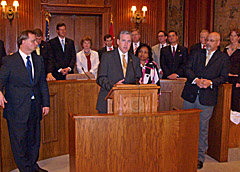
24, 75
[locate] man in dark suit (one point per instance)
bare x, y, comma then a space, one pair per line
44, 49
64, 54
202, 43
135, 40
26, 100
117, 67
2, 51
108, 40
173, 58
205, 71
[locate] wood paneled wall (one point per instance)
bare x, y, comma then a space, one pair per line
197, 15
156, 16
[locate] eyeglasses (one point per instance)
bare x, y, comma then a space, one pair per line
211, 40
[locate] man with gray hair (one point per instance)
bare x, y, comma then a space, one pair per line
202, 44
206, 69
117, 67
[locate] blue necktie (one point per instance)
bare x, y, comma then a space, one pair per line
63, 45
29, 69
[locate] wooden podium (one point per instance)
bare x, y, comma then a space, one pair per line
127, 98
144, 142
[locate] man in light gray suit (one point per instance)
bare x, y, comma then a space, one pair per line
156, 49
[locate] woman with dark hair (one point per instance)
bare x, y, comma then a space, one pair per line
149, 67
233, 51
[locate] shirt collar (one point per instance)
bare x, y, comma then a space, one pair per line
23, 55
121, 53
175, 46
60, 39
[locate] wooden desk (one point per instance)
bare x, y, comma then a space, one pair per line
164, 141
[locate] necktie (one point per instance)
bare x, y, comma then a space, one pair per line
63, 45
135, 49
173, 51
38, 50
162, 46
204, 46
29, 69
207, 58
110, 49
124, 65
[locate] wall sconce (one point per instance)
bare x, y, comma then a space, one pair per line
137, 18
9, 13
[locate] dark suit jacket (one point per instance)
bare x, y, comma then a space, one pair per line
131, 48
18, 88
2, 51
195, 47
46, 53
110, 72
216, 70
62, 59
103, 50
172, 65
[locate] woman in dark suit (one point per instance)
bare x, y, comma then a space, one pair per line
233, 51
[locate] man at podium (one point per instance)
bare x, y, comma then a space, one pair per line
117, 67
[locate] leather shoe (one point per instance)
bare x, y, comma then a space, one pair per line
199, 164
41, 170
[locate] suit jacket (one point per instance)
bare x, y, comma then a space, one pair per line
172, 65
82, 62
156, 50
46, 53
216, 70
2, 51
62, 59
101, 51
131, 48
18, 88
110, 72
195, 47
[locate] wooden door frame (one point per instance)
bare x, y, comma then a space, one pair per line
103, 11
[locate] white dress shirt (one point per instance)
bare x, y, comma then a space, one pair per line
24, 57
126, 56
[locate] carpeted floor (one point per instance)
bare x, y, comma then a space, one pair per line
61, 163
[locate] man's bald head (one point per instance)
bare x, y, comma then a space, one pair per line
213, 41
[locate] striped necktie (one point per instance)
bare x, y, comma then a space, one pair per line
124, 65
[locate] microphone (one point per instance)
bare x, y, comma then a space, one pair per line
134, 71
85, 73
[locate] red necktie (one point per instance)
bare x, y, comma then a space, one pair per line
173, 51
204, 47
110, 49
135, 49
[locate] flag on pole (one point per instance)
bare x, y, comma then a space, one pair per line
111, 29
47, 33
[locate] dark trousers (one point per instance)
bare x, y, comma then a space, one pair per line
25, 141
